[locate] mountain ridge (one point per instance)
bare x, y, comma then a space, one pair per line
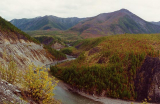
118, 22
45, 22
156, 23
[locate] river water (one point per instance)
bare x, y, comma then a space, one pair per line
68, 97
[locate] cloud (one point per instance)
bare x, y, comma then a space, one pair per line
10, 9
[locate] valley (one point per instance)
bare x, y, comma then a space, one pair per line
108, 58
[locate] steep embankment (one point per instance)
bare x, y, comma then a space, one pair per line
17, 49
23, 49
115, 66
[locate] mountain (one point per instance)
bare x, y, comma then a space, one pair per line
156, 23
20, 47
45, 23
118, 22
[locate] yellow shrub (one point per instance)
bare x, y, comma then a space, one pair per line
10, 73
39, 84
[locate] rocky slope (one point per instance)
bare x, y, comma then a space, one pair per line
118, 22
45, 23
18, 45
24, 50
10, 93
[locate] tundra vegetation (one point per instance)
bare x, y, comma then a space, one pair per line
108, 65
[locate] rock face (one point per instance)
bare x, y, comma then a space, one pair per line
10, 93
148, 80
22, 51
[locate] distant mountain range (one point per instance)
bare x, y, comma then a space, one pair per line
156, 23
45, 23
118, 22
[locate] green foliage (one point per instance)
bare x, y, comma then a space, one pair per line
66, 36
87, 44
68, 50
127, 24
49, 40
81, 57
114, 78
57, 54
123, 56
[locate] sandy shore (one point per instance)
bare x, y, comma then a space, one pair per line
103, 100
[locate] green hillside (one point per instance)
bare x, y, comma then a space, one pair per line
112, 66
6, 26
66, 36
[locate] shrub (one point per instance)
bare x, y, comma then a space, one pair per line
10, 73
39, 84
57, 54
67, 51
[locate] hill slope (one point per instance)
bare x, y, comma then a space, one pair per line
120, 66
118, 22
45, 23
20, 46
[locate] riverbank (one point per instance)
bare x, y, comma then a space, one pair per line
98, 99
103, 100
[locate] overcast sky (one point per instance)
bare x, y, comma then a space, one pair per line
149, 10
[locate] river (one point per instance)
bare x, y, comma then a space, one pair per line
68, 97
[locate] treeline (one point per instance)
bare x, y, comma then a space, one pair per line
57, 54
49, 40
117, 78
8, 27
68, 50
112, 67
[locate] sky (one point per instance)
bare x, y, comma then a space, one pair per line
17, 9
